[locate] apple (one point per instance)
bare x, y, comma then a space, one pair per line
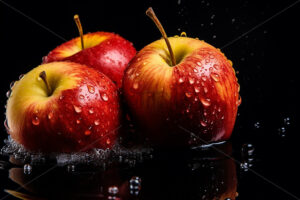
183, 93
63, 107
107, 52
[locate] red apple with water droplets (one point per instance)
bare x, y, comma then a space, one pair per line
188, 99
63, 107
106, 52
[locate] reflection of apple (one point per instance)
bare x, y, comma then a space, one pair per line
107, 52
63, 107
196, 89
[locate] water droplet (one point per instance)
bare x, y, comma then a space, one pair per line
217, 67
197, 89
71, 168
61, 97
244, 166
135, 183
191, 80
188, 94
78, 121
8, 94
205, 102
21, 76
282, 131
50, 115
91, 89
196, 98
205, 89
203, 123
215, 76
108, 141
27, 169
135, 85
183, 34
199, 64
77, 109
287, 121
181, 80
104, 97
204, 78
97, 122
257, 125
113, 190
6, 125
91, 111
12, 84
87, 132
137, 74
195, 70
239, 101
35, 121
81, 96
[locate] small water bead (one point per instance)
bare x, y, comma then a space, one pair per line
113, 190
183, 34
77, 109
204, 78
27, 169
12, 84
244, 166
91, 111
205, 89
6, 125
81, 96
135, 85
191, 80
71, 168
104, 97
87, 132
188, 94
205, 102
35, 121
97, 122
195, 70
257, 125
61, 97
181, 80
78, 121
197, 89
8, 94
203, 123
50, 115
108, 141
91, 89
215, 76
287, 121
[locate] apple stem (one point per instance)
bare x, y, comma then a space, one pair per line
150, 13
43, 76
80, 30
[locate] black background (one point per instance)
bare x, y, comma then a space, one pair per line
265, 56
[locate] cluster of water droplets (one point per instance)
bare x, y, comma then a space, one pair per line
286, 123
100, 158
247, 155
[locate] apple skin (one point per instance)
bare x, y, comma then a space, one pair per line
107, 52
199, 95
82, 113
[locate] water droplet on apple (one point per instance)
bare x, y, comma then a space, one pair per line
183, 34
8, 94
6, 125
61, 97
97, 122
91, 89
188, 94
91, 111
108, 141
77, 109
199, 64
191, 80
35, 121
204, 78
12, 84
205, 102
215, 76
78, 121
205, 89
87, 132
187, 110
239, 101
219, 109
21, 76
181, 80
135, 85
197, 89
196, 98
195, 70
203, 123
137, 74
50, 115
217, 67
81, 96
104, 97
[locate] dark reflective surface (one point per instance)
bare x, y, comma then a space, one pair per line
260, 37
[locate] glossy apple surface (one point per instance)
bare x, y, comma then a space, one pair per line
107, 52
81, 111
191, 103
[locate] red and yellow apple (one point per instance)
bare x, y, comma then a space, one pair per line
199, 94
63, 107
107, 52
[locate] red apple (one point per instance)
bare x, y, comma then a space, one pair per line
190, 100
107, 52
63, 107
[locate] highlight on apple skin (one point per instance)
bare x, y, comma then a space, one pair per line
107, 52
194, 102
63, 107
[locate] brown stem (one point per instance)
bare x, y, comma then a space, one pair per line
80, 30
150, 13
43, 76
